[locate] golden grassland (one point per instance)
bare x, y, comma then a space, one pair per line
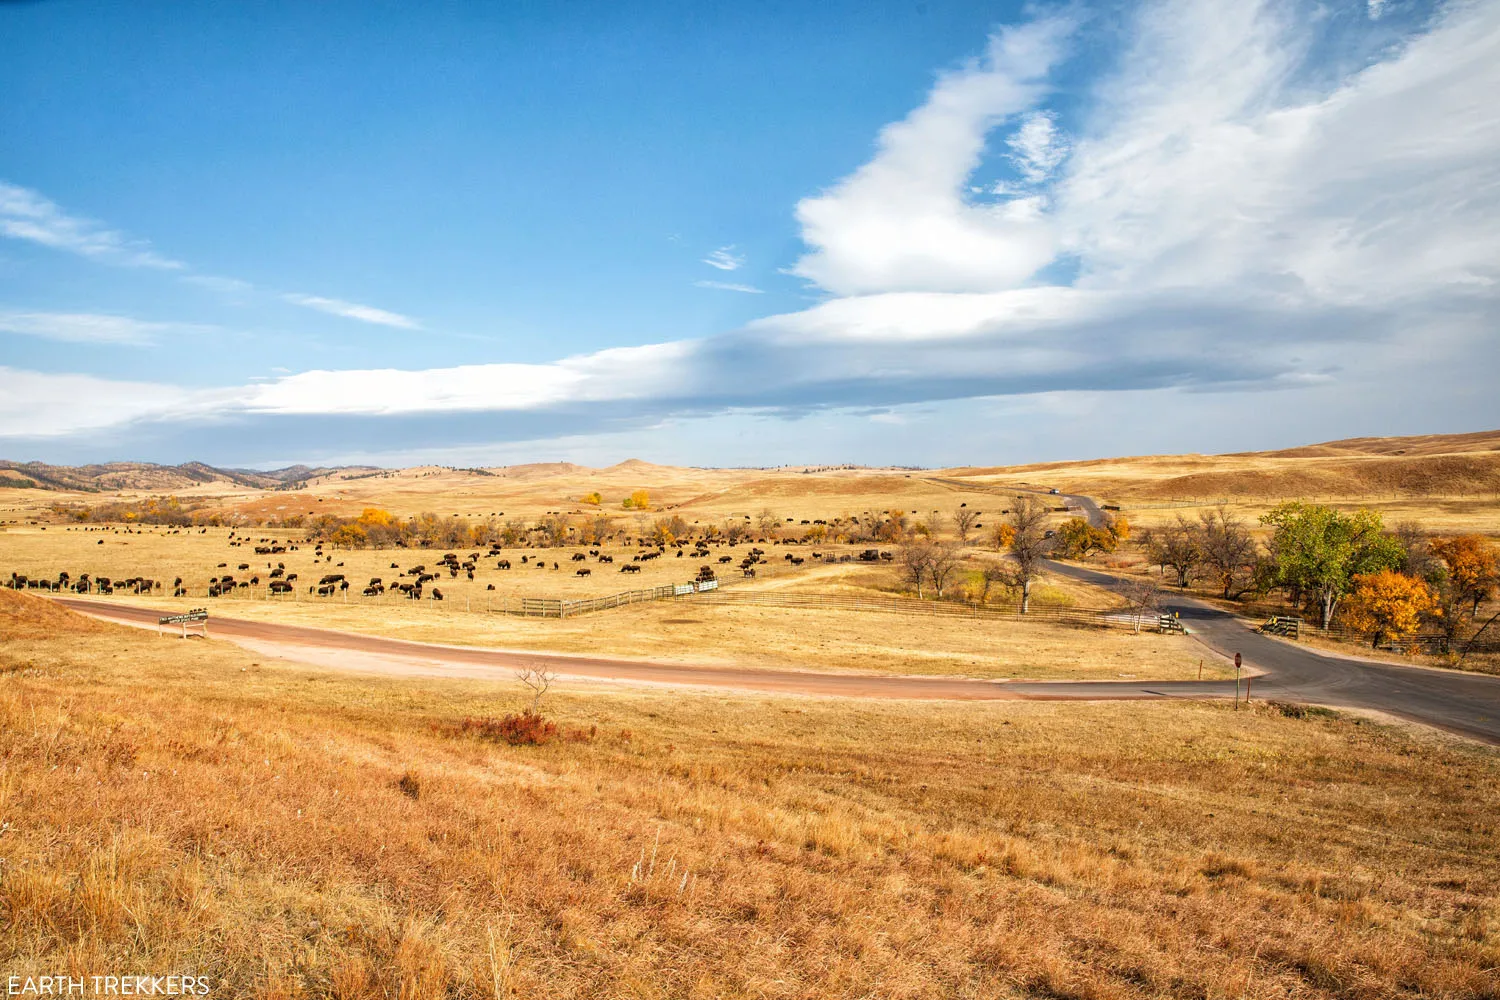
1446, 482
178, 806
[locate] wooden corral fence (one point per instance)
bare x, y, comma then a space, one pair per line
552, 607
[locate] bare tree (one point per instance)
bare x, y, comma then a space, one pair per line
1142, 594
1417, 558
1227, 547
915, 557
963, 523
1030, 544
941, 564
933, 522
1175, 545
537, 677
768, 522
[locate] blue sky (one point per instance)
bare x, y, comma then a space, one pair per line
726, 234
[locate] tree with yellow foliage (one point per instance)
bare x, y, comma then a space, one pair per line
1388, 605
593, 499
639, 500
1471, 562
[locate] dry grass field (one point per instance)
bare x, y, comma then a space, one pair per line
180, 805
1445, 482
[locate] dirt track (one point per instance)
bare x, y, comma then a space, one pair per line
374, 654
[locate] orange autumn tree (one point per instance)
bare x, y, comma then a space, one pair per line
1388, 605
1472, 573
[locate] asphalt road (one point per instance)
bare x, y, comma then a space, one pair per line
1462, 703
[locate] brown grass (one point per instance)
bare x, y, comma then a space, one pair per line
174, 806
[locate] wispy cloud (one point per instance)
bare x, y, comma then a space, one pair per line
729, 286
90, 328
353, 310
28, 215
725, 259
1037, 147
232, 287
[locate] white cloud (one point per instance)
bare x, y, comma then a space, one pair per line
1216, 168
728, 286
353, 310
902, 223
1375, 8
28, 215
37, 405
1037, 147
725, 259
89, 328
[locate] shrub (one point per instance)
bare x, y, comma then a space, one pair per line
410, 785
526, 729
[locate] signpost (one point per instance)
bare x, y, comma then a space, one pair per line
1237, 662
196, 618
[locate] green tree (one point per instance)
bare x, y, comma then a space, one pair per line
1318, 551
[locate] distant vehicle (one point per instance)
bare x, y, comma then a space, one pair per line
1053, 490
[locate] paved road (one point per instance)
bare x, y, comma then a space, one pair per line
396, 656
1459, 702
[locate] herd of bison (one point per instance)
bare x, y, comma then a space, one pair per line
413, 581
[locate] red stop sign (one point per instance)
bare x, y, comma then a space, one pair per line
1236, 661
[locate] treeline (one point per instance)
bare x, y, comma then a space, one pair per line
377, 528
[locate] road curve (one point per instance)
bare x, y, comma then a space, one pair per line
1468, 704
431, 659
1448, 699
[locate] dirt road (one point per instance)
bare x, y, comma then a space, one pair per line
367, 653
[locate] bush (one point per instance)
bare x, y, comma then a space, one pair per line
526, 729
410, 785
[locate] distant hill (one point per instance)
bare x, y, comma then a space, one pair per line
112, 476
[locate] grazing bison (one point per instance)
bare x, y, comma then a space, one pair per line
437, 595
630, 568
584, 572
503, 564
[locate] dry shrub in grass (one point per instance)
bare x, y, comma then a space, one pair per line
525, 729
410, 785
